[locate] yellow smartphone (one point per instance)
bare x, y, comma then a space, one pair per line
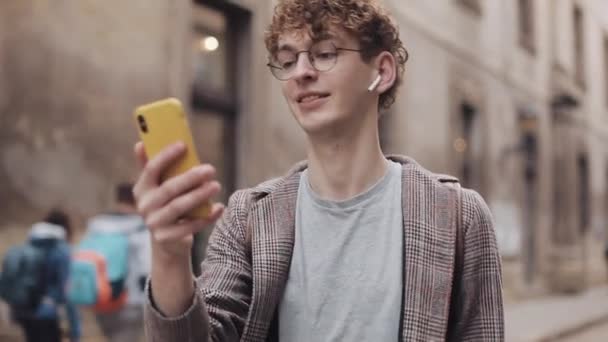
161, 124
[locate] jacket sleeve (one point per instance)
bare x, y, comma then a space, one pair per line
222, 292
478, 307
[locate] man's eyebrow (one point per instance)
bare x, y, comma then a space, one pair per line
285, 47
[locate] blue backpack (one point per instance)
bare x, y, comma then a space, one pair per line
99, 270
23, 281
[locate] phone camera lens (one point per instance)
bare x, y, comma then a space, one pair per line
142, 123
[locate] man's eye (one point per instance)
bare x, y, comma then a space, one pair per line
325, 55
287, 65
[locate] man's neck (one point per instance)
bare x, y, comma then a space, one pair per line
347, 164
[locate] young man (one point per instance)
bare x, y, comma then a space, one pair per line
125, 324
349, 246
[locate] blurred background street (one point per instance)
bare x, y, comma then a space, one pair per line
596, 333
511, 96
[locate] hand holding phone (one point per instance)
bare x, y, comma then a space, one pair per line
161, 124
172, 193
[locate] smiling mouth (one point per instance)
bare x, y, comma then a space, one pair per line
310, 98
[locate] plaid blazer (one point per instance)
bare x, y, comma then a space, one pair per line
249, 255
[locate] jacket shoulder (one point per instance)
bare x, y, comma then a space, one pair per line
419, 173
261, 190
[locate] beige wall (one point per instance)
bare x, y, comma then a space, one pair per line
76, 70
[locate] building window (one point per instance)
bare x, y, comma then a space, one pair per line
528, 124
583, 194
213, 94
560, 233
209, 49
214, 67
606, 69
606, 207
468, 146
472, 5
579, 46
526, 25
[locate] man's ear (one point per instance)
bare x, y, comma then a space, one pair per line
387, 69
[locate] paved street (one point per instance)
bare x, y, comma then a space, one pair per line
596, 333
547, 318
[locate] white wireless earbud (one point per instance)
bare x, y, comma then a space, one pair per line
374, 84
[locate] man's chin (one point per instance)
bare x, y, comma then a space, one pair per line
316, 128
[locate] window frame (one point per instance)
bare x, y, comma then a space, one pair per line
527, 25
578, 23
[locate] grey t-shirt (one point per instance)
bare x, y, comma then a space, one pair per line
345, 280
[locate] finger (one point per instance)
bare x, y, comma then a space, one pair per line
150, 175
154, 168
180, 206
186, 228
175, 187
179, 231
140, 154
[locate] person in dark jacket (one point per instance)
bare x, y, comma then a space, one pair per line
43, 322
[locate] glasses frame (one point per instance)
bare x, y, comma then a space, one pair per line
273, 68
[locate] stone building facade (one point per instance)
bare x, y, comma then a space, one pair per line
510, 96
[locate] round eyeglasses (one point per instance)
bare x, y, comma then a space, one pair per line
322, 56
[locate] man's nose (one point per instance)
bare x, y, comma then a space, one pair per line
304, 68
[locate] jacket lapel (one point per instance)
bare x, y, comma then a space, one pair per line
272, 246
428, 241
